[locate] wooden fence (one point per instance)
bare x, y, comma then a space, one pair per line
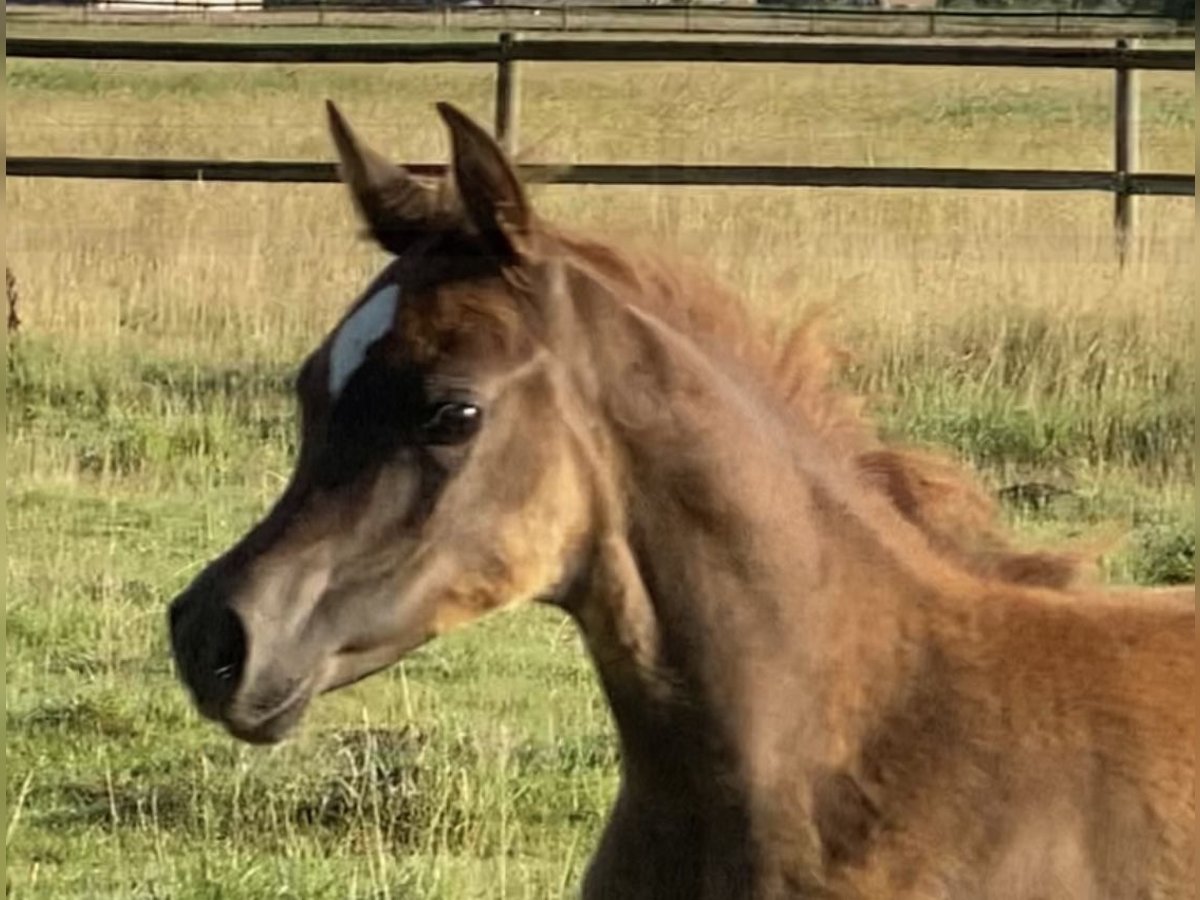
695, 16
1123, 180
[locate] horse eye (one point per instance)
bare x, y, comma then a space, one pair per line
451, 423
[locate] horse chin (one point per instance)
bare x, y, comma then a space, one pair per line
274, 725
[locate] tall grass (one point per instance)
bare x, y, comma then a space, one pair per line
151, 421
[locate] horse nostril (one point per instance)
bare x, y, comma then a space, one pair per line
225, 642
209, 643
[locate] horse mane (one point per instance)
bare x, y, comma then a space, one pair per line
935, 493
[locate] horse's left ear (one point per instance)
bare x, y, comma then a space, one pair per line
490, 191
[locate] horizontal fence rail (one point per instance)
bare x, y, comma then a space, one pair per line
868, 54
759, 9
308, 172
697, 18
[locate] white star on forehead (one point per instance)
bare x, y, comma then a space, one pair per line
367, 324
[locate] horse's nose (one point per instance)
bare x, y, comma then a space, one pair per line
208, 641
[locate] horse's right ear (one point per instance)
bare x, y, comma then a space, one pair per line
397, 208
489, 189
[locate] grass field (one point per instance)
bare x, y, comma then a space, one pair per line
150, 422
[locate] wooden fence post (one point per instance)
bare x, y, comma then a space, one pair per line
1125, 147
10, 284
506, 95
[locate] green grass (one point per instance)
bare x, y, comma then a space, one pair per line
486, 752
150, 422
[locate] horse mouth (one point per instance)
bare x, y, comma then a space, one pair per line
273, 725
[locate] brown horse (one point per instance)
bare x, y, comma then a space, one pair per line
831, 675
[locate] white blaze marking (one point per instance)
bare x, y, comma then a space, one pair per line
367, 324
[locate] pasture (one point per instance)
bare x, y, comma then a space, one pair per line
150, 421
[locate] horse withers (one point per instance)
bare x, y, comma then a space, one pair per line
830, 672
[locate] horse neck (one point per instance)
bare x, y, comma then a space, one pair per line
743, 614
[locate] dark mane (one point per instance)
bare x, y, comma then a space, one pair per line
935, 493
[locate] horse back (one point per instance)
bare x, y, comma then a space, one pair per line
1094, 711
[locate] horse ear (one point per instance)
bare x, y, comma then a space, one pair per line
490, 191
395, 206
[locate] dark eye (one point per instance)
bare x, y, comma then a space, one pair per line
450, 423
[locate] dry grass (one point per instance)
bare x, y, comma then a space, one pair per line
573, 112
251, 264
